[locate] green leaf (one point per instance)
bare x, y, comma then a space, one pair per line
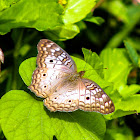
1, 134
63, 32
81, 25
118, 65
24, 117
77, 10
127, 91
131, 52
34, 14
125, 106
94, 60
26, 70
96, 20
129, 104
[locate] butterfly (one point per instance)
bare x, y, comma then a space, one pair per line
57, 81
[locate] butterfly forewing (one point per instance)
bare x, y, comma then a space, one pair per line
50, 55
56, 79
54, 64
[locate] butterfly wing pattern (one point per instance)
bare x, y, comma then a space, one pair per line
56, 79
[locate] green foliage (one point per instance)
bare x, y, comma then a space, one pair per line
109, 28
23, 116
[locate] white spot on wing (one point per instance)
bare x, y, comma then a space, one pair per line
97, 89
93, 91
59, 62
103, 96
102, 107
60, 58
44, 48
110, 102
106, 104
52, 50
63, 55
49, 45
100, 99
50, 57
50, 65
87, 91
57, 49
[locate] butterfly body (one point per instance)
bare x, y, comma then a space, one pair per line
56, 79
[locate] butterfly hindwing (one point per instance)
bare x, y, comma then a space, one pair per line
93, 98
83, 94
65, 98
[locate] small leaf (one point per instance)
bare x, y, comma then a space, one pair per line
24, 117
93, 59
131, 52
96, 20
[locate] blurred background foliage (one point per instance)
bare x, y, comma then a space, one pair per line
95, 25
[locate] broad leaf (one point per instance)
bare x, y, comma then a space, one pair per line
24, 117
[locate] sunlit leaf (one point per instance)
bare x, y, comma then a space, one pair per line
24, 117
77, 10
118, 66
